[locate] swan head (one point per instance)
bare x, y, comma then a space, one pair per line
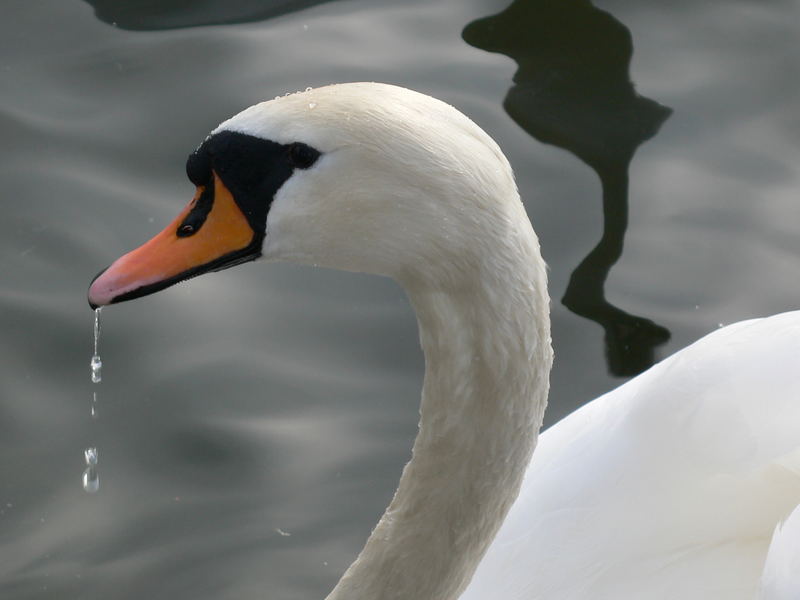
362, 176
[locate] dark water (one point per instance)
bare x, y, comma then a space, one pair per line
273, 399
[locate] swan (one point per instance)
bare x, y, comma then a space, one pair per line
682, 483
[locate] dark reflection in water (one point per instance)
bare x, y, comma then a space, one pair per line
573, 90
147, 15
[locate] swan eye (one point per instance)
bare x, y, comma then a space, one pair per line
302, 156
197, 216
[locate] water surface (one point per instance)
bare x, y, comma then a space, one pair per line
277, 399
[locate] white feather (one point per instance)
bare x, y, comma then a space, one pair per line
668, 487
781, 577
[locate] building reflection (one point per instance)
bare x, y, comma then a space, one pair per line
573, 90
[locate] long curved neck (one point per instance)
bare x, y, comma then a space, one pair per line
487, 357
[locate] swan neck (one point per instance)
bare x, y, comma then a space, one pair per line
487, 358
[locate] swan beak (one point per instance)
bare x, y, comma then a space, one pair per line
210, 234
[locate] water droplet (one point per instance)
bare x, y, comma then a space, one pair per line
305, 27
312, 105
97, 365
91, 480
282, 533
90, 454
287, 94
309, 88
97, 327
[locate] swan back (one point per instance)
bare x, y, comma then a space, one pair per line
781, 577
669, 486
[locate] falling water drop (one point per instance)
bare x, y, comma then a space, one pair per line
90, 454
91, 480
97, 327
309, 88
312, 105
96, 364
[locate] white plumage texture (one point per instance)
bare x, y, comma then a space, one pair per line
781, 577
669, 486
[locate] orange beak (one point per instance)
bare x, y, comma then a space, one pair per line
210, 234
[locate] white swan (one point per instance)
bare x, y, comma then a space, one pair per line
669, 487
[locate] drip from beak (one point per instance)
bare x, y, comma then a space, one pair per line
210, 234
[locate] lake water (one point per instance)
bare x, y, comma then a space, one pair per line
251, 425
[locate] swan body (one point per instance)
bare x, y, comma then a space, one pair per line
669, 487
780, 580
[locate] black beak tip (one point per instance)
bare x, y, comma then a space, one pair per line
92, 304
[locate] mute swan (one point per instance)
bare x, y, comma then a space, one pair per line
668, 487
